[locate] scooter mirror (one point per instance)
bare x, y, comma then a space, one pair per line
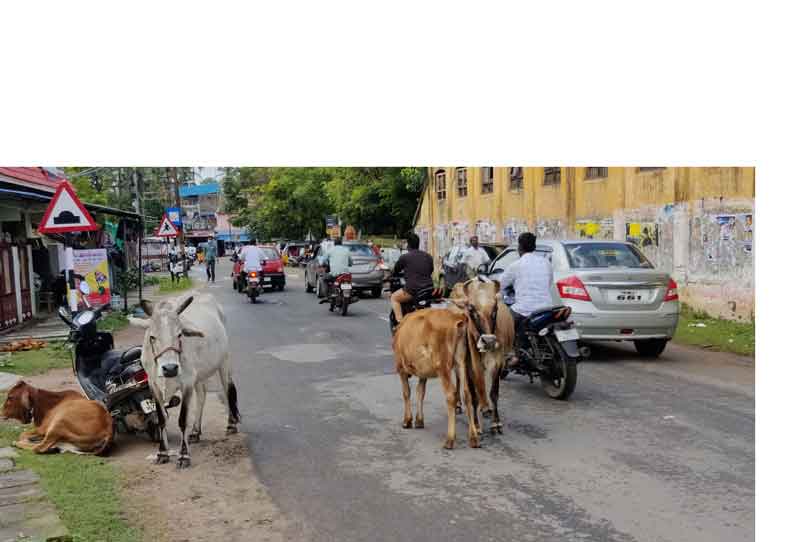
65, 315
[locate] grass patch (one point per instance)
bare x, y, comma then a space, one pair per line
699, 329
84, 489
113, 321
35, 362
166, 286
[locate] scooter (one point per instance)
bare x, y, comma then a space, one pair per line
424, 299
547, 347
340, 293
254, 286
115, 378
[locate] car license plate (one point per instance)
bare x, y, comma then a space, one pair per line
567, 334
347, 286
148, 406
629, 296
266, 279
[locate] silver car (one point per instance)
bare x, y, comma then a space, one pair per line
613, 290
368, 272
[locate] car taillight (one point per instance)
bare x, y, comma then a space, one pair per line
672, 291
572, 288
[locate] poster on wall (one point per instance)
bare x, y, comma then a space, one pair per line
91, 267
643, 234
727, 225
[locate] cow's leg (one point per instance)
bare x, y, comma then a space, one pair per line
162, 452
420, 404
229, 395
183, 461
452, 399
496, 422
470, 399
458, 407
48, 445
407, 416
201, 396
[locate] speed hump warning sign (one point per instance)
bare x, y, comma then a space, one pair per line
167, 228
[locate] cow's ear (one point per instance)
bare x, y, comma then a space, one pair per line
185, 304
24, 397
189, 332
147, 307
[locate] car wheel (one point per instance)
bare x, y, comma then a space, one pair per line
309, 288
650, 348
319, 287
377, 292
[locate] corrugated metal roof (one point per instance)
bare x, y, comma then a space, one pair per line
199, 189
36, 177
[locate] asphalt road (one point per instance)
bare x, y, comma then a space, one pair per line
657, 450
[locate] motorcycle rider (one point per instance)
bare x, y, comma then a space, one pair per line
527, 283
252, 257
339, 261
474, 256
418, 268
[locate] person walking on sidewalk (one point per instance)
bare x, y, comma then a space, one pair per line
211, 253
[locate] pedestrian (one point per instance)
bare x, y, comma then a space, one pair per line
474, 256
211, 253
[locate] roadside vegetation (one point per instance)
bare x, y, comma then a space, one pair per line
84, 489
167, 287
36, 362
699, 329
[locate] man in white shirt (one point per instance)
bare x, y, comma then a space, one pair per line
528, 281
474, 256
252, 257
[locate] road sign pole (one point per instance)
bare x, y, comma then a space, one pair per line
181, 235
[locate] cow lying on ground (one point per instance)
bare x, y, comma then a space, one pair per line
433, 343
185, 344
63, 421
494, 318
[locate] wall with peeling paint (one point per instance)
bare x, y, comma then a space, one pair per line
695, 223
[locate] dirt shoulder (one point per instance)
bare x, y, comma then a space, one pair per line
217, 498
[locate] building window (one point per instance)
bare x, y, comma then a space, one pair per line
596, 172
641, 169
487, 180
463, 182
516, 178
551, 175
441, 184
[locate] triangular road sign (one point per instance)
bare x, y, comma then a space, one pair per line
166, 228
66, 213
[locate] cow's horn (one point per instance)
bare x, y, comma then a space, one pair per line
184, 305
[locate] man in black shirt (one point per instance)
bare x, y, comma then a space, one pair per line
418, 268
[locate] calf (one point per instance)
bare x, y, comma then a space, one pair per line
63, 420
432, 343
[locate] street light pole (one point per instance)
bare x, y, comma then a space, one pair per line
181, 235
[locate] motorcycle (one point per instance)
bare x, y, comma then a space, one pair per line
340, 293
424, 299
547, 348
115, 378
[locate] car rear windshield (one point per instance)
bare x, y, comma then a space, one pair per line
590, 255
360, 250
270, 254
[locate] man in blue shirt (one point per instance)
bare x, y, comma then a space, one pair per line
210, 254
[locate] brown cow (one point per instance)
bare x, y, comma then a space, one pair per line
489, 357
63, 420
432, 343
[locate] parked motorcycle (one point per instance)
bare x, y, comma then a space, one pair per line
115, 378
423, 299
547, 347
340, 293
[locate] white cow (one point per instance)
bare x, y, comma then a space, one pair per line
185, 344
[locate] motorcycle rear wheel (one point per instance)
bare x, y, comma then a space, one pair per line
252, 296
345, 303
563, 387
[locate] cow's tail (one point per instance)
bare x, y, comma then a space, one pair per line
104, 447
231, 394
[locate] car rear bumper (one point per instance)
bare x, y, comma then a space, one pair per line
365, 281
276, 279
598, 325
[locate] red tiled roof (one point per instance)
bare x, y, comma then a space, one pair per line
36, 176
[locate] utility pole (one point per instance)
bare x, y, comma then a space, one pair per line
181, 235
137, 180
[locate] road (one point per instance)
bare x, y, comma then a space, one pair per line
644, 451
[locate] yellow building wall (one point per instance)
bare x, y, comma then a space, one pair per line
696, 223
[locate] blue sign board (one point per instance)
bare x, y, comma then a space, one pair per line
175, 216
